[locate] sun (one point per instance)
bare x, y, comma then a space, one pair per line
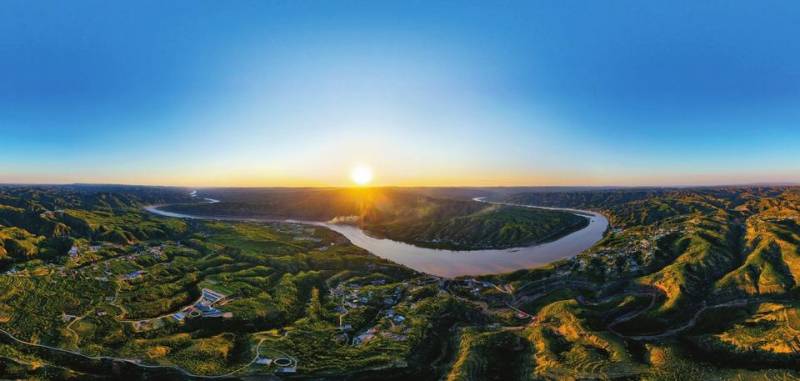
361, 174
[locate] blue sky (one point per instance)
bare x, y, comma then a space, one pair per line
426, 93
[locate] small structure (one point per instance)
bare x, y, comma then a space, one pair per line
363, 338
212, 296
134, 274
208, 311
264, 361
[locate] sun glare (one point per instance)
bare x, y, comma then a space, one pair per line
361, 174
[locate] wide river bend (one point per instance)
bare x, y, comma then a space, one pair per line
453, 263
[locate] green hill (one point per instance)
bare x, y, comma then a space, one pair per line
690, 284
398, 214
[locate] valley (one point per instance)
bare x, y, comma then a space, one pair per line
400, 215
699, 283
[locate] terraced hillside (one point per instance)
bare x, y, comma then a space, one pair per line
186, 299
43, 223
705, 278
695, 284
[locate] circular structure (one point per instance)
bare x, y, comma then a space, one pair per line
282, 361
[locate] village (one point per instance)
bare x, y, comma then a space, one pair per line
372, 298
631, 252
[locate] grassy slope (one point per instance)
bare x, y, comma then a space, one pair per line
717, 246
403, 216
714, 246
491, 226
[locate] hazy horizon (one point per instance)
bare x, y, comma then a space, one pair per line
721, 185
425, 94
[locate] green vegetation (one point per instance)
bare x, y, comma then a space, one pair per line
485, 355
143, 293
689, 284
45, 222
491, 226
696, 283
400, 215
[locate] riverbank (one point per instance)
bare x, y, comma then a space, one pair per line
452, 263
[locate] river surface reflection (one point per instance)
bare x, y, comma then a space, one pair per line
452, 263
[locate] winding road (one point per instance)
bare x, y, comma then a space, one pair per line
135, 362
653, 294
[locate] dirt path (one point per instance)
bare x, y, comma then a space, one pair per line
685, 326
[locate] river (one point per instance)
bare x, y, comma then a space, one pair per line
453, 263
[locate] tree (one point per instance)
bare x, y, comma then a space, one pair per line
314, 309
286, 295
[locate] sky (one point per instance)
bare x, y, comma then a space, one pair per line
478, 93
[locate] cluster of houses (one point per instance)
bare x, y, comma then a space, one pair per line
353, 296
74, 251
94, 264
637, 252
397, 332
154, 251
475, 286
